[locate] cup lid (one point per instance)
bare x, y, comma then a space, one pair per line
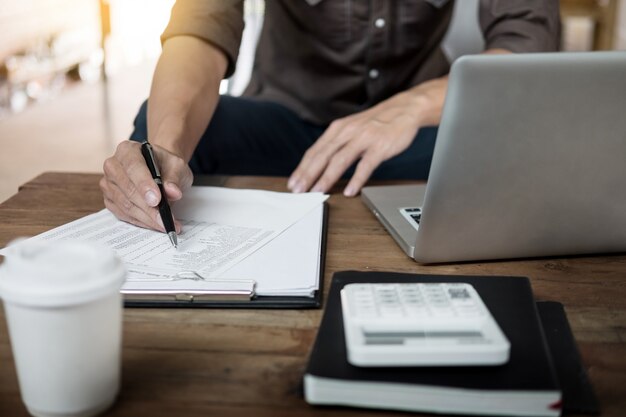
55, 274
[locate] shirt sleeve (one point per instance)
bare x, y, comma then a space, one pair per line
218, 22
521, 25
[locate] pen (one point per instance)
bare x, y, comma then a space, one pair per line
164, 207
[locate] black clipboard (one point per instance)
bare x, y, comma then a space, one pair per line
244, 299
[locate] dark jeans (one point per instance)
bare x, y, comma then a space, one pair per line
251, 137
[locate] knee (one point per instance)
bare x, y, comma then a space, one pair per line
227, 128
413, 163
140, 131
216, 138
226, 118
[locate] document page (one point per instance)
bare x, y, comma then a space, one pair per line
221, 227
288, 265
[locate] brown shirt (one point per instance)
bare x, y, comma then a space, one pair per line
326, 59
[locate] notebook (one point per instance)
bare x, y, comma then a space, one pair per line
527, 385
529, 161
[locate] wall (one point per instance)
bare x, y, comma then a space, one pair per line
620, 32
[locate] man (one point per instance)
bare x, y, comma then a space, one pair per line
348, 88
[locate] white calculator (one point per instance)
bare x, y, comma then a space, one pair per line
420, 324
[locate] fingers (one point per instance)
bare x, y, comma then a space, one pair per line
363, 172
136, 216
317, 157
371, 137
120, 189
130, 191
128, 170
339, 163
124, 209
123, 198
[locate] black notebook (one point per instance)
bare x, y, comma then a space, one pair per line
526, 385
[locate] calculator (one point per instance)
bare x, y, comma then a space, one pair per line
420, 324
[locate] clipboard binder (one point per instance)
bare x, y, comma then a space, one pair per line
226, 290
239, 294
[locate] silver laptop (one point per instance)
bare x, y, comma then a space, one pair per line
530, 161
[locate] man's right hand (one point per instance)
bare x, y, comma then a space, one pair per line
184, 94
130, 191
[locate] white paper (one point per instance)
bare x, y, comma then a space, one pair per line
290, 264
221, 227
287, 266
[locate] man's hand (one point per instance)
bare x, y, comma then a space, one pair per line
131, 193
373, 136
184, 93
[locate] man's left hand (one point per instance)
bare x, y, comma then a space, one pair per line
371, 137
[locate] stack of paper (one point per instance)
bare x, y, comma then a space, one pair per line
228, 235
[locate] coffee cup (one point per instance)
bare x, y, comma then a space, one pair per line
64, 314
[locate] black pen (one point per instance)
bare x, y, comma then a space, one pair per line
164, 207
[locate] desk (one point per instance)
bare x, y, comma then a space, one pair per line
250, 362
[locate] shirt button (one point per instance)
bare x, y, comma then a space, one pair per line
374, 73
380, 23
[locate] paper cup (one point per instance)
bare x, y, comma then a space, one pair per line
64, 313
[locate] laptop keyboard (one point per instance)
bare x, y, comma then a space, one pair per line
413, 215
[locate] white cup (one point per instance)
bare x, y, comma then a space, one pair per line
64, 313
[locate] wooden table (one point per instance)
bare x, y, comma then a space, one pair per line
250, 362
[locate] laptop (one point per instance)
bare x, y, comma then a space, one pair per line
530, 161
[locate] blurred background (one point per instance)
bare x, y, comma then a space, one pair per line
74, 72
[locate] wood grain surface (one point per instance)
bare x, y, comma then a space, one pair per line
251, 362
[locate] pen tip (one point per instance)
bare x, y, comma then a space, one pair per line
173, 239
